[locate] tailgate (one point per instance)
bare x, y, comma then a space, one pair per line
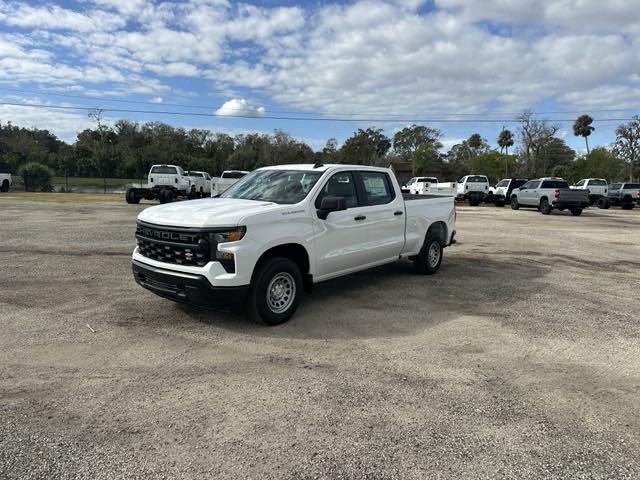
570, 195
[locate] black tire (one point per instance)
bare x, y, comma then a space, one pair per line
604, 203
627, 206
576, 212
165, 196
5, 186
514, 203
544, 207
131, 197
424, 263
499, 203
266, 307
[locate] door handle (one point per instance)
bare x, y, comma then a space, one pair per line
360, 217
398, 212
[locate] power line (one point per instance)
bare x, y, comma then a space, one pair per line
308, 112
306, 119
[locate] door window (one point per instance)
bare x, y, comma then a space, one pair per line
377, 187
340, 185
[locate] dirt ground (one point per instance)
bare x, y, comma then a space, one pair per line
519, 359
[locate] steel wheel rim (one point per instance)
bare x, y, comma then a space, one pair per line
281, 292
433, 256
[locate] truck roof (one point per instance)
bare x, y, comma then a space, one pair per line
321, 168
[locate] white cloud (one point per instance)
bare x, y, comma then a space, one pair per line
240, 107
156, 100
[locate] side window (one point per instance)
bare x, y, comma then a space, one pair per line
377, 188
339, 185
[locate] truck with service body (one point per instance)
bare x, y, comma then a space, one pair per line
281, 229
430, 186
5, 182
550, 193
224, 181
597, 188
201, 183
473, 188
164, 183
625, 195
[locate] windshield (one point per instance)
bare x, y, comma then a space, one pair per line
277, 186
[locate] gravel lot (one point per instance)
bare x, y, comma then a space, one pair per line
520, 359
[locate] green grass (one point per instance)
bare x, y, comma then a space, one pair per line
94, 181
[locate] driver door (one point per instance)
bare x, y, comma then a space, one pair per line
339, 238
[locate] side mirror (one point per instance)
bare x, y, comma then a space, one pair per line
521, 188
331, 204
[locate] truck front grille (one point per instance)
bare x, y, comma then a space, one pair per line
180, 246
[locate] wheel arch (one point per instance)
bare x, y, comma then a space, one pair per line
439, 228
295, 252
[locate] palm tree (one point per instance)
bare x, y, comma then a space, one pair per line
505, 140
582, 128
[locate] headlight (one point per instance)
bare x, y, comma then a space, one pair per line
229, 236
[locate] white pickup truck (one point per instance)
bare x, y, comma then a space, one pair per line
5, 182
473, 188
597, 188
281, 229
224, 181
165, 183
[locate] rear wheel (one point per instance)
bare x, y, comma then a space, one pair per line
5, 186
499, 203
545, 208
604, 203
576, 212
166, 196
514, 203
627, 206
428, 261
275, 291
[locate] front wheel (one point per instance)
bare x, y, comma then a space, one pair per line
275, 291
5, 186
428, 261
514, 203
604, 203
576, 212
627, 206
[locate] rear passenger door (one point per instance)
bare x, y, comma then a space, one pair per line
384, 213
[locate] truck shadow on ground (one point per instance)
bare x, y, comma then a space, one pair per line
392, 300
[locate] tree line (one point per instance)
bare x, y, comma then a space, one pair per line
127, 149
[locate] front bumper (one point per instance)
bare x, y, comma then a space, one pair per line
186, 287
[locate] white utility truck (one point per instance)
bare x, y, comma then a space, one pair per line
224, 181
430, 186
5, 182
201, 183
281, 229
165, 183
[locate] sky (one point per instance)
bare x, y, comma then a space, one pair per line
462, 66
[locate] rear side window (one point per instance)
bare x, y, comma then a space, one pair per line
164, 170
597, 183
233, 175
477, 179
631, 185
340, 185
554, 184
377, 187
531, 184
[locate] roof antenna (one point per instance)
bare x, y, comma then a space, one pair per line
318, 165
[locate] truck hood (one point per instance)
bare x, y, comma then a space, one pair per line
208, 212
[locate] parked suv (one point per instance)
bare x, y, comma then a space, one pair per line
548, 194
